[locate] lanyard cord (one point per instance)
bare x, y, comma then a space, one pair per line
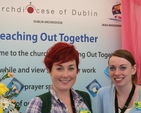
72, 102
127, 102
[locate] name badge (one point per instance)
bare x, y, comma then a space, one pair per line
84, 111
137, 105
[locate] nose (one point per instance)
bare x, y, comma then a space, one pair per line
117, 71
65, 73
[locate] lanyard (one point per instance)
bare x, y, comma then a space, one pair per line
72, 102
127, 102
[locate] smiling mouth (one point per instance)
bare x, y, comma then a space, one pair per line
119, 79
65, 81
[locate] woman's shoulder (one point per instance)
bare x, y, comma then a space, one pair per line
139, 87
107, 89
36, 100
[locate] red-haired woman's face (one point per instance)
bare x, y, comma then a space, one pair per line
63, 75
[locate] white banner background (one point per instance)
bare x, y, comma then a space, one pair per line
16, 19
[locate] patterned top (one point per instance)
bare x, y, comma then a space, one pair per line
35, 105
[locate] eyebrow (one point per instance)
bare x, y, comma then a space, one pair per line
120, 65
62, 66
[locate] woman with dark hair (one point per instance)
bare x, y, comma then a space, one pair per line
124, 95
62, 63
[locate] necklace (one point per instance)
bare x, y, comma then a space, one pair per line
127, 102
121, 105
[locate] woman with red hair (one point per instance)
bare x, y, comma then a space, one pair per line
61, 61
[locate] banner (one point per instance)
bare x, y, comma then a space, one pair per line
29, 28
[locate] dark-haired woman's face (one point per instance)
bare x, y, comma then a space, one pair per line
121, 71
64, 75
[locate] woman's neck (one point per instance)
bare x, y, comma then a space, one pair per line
62, 94
124, 90
125, 95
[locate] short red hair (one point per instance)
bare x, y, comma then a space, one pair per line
61, 52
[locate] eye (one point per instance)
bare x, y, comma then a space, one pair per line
122, 67
71, 68
112, 68
59, 68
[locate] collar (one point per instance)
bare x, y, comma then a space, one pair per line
74, 94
